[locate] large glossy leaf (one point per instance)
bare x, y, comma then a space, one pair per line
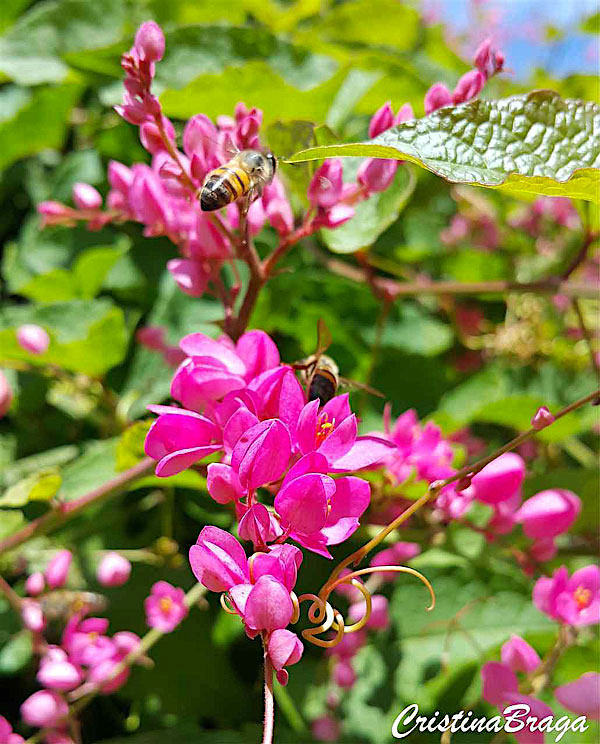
533, 144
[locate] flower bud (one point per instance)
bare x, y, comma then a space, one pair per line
44, 709
483, 56
223, 483
152, 337
59, 674
150, 42
114, 570
499, 480
32, 615
343, 674
549, 513
437, 97
58, 568
326, 728
325, 188
86, 196
469, 86
6, 395
259, 526
33, 339
377, 174
35, 584
285, 648
381, 120
189, 276
542, 418
519, 655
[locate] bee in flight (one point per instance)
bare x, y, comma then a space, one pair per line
321, 374
246, 174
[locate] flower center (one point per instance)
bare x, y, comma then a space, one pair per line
92, 635
582, 597
165, 604
324, 428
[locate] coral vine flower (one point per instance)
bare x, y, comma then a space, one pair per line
285, 649
549, 513
165, 607
582, 696
519, 656
44, 708
6, 733
575, 600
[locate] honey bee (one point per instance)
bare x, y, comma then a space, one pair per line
246, 174
321, 374
60, 605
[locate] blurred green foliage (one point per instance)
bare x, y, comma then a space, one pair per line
318, 69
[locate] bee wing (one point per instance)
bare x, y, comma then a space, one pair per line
324, 338
353, 385
228, 146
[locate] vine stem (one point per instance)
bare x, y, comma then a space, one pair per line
64, 511
402, 289
435, 487
269, 720
11, 596
83, 696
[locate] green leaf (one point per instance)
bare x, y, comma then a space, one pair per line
30, 51
16, 653
10, 521
373, 216
37, 121
415, 332
93, 266
130, 448
87, 336
533, 144
42, 486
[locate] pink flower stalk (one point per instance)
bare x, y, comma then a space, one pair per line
6, 395
33, 339
57, 569
165, 607
582, 696
113, 570
285, 649
549, 513
32, 615
35, 584
542, 418
519, 656
574, 601
45, 709
6, 733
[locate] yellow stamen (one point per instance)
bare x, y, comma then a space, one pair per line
165, 604
582, 597
324, 428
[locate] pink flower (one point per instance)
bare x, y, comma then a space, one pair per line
114, 570
333, 216
343, 674
259, 526
316, 510
575, 600
325, 188
377, 174
32, 615
469, 86
222, 483
582, 696
437, 97
165, 607
6, 733
265, 605
56, 671
45, 709
179, 438
325, 728
33, 339
381, 120
519, 656
103, 672
277, 207
285, 649
499, 480
543, 550
379, 618
150, 42
57, 569
86, 196
542, 418
152, 337
549, 513
35, 584
218, 560
6, 395
86, 642
189, 275
262, 454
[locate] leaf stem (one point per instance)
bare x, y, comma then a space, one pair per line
64, 511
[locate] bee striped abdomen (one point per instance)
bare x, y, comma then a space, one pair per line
322, 386
223, 186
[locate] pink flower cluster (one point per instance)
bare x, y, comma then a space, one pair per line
240, 401
479, 228
488, 62
571, 600
501, 688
